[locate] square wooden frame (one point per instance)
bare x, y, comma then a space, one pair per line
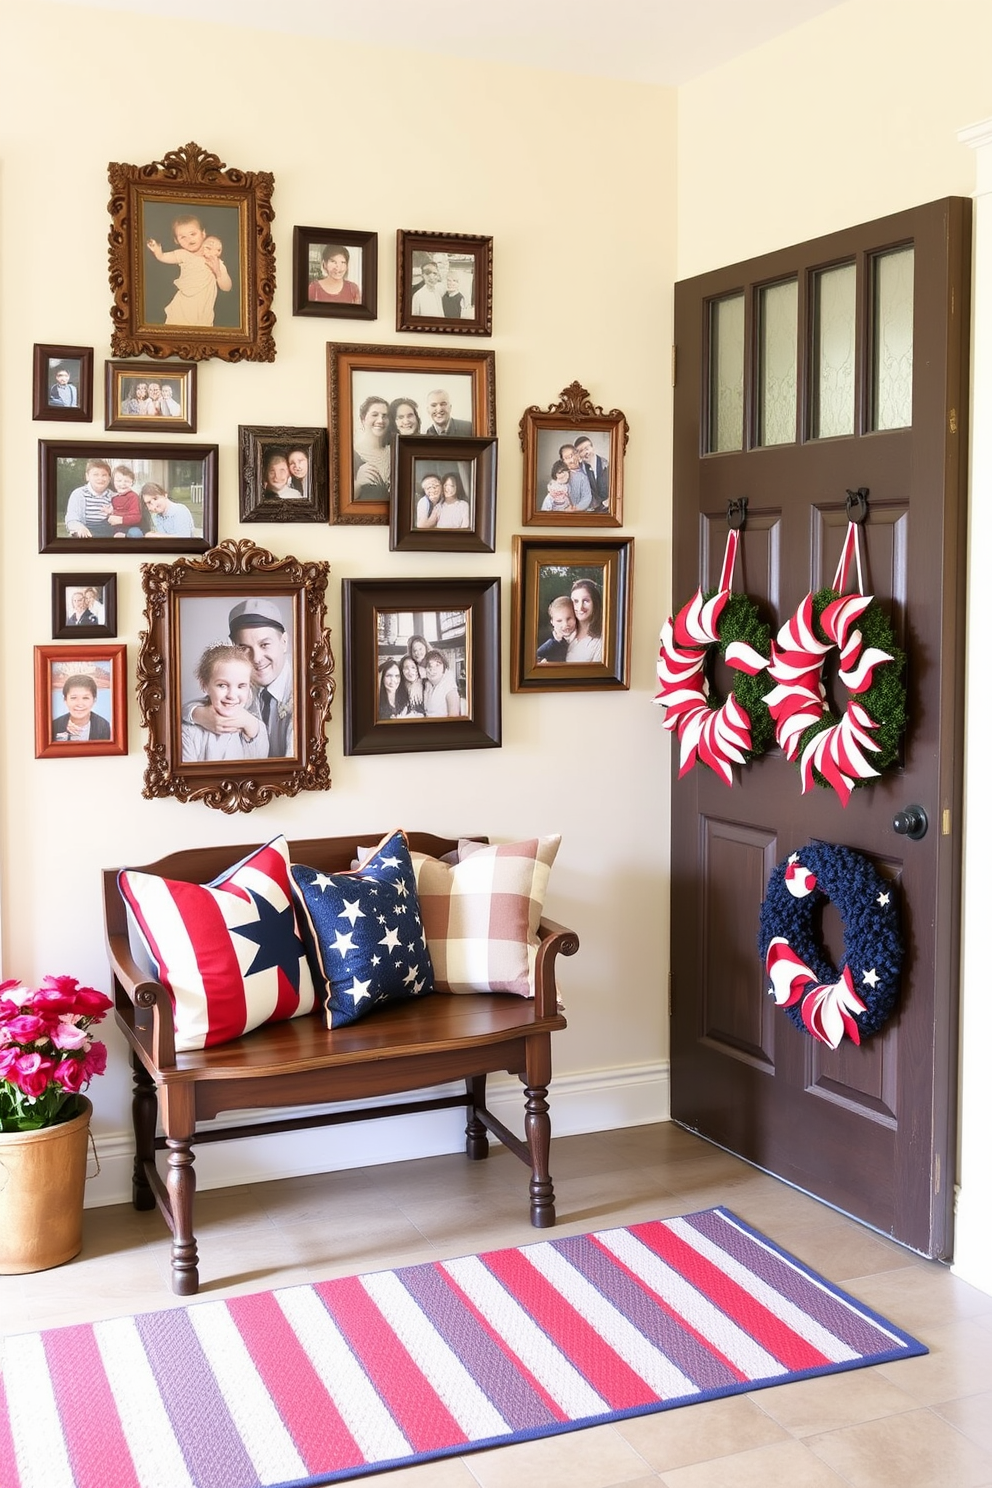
230, 572
78, 659
190, 179
395, 366
181, 375
615, 555
41, 384
411, 247
564, 422
404, 535
362, 602
51, 511
61, 584
256, 443
305, 238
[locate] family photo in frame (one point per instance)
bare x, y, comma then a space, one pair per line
422, 665
377, 394
114, 497
335, 272
444, 283
62, 386
445, 495
283, 473
151, 397
84, 606
571, 613
573, 463
192, 261
235, 677
80, 701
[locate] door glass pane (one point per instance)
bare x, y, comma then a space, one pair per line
892, 373
778, 318
834, 309
726, 430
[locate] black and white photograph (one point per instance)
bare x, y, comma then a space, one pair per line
283, 473
421, 673
236, 665
444, 283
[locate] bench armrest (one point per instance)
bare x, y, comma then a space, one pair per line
556, 940
143, 1004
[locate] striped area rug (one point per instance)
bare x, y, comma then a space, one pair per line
315, 1384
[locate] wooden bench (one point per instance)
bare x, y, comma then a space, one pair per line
407, 1046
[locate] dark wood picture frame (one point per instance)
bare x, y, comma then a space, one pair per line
165, 465
54, 667
48, 362
358, 375
368, 605
310, 244
257, 445
65, 625
473, 462
547, 569
466, 261
545, 432
232, 205
124, 381
198, 595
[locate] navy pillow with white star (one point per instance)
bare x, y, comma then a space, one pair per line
363, 934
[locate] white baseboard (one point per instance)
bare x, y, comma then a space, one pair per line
972, 1256
603, 1100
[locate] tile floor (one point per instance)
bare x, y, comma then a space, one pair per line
920, 1423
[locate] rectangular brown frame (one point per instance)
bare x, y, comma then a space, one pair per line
544, 432
464, 251
305, 239
363, 600
233, 204
257, 444
410, 451
398, 373
124, 378
44, 370
573, 556
53, 505
227, 575
68, 661
61, 584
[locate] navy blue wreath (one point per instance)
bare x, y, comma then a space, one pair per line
868, 906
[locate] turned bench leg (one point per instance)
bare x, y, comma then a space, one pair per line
476, 1136
181, 1185
537, 1126
144, 1114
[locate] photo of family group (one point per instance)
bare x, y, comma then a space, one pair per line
191, 269
421, 665
571, 613
140, 395
128, 494
236, 678
389, 404
573, 471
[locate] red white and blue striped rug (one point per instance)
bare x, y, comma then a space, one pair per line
315, 1384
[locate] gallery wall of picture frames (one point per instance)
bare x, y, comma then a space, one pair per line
410, 444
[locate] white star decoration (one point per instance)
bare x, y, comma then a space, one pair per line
390, 863
321, 881
358, 990
343, 942
793, 858
390, 940
411, 976
351, 912
883, 899
871, 977
400, 888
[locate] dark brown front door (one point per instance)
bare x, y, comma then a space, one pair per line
871, 393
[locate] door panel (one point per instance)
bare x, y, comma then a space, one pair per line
869, 1129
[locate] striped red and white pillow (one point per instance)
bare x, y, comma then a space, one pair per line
227, 951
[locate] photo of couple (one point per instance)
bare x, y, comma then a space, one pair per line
421, 665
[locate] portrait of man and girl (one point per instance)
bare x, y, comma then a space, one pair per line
421, 678
239, 704
572, 474
379, 420
120, 500
442, 286
574, 618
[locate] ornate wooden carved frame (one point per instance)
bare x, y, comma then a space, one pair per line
256, 442
544, 431
229, 572
411, 250
191, 180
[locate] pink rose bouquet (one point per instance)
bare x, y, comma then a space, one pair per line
47, 1054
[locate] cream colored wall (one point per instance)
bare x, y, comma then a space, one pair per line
846, 119
577, 193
